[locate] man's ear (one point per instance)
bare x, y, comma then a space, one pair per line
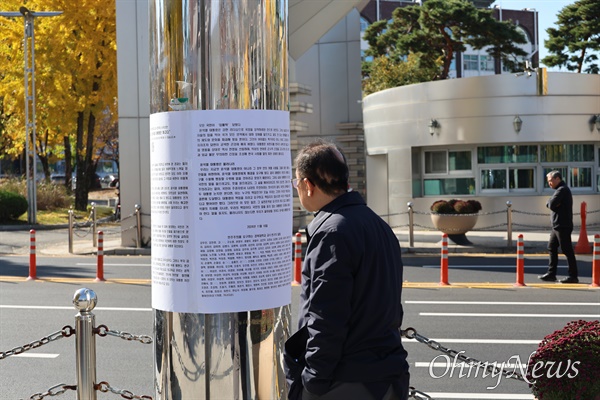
310, 187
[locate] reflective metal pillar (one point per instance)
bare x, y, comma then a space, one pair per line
234, 55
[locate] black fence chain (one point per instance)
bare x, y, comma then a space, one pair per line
64, 332
56, 390
105, 387
102, 331
411, 333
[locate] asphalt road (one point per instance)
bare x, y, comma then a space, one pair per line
495, 324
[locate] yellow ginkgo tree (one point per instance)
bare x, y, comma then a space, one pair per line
75, 79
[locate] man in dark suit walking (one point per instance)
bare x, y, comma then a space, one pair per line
561, 205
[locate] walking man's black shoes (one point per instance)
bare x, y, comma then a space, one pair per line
569, 279
548, 277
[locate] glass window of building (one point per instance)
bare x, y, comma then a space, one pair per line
436, 162
567, 152
470, 62
486, 63
493, 179
580, 177
521, 169
449, 186
521, 179
507, 154
448, 172
459, 160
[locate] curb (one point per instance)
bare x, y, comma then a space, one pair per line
37, 227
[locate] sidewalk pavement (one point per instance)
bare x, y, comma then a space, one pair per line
54, 242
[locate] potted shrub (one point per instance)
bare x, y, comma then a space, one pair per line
565, 365
455, 217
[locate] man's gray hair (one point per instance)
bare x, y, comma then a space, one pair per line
554, 174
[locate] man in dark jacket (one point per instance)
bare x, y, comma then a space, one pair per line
561, 205
350, 306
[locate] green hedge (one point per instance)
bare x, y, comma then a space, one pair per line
12, 205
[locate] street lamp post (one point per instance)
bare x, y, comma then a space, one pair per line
29, 56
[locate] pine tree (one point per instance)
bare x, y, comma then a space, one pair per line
437, 30
575, 42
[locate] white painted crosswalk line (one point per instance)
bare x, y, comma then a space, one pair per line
500, 315
36, 355
500, 303
480, 396
477, 341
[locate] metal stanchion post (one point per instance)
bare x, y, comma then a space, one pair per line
71, 230
94, 235
411, 232
85, 300
509, 223
138, 223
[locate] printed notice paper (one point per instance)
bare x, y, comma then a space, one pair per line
221, 210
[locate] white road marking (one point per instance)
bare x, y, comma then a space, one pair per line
500, 303
114, 265
477, 341
480, 396
461, 365
21, 307
499, 315
486, 266
36, 355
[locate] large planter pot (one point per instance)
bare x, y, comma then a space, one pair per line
455, 226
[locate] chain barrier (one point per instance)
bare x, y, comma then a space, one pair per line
411, 333
427, 228
531, 213
532, 227
393, 215
56, 390
84, 300
490, 227
105, 387
86, 224
64, 332
127, 217
102, 331
401, 226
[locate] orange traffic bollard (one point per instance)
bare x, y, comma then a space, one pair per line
444, 262
596, 262
298, 260
32, 258
520, 262
583, 244
100, 263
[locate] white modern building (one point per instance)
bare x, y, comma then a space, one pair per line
493, 138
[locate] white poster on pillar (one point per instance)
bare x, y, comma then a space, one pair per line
221, 210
